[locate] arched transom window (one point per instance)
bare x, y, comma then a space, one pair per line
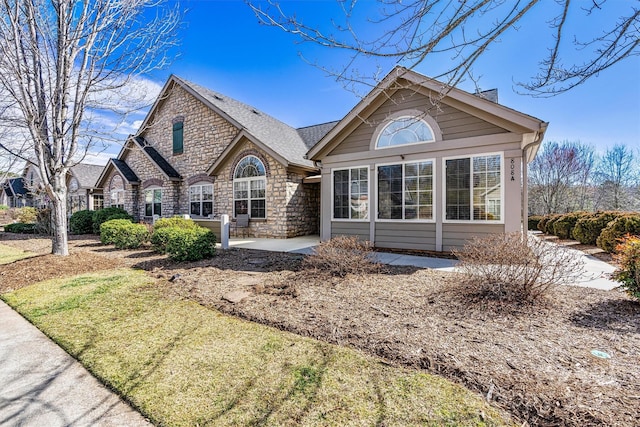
249, 188
404, 130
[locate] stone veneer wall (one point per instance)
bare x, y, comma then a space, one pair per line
130, 194
292, 207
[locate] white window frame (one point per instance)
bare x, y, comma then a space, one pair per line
368, 213
415, 115
201, 201
444, 189
153, 190
249, 180
433, 192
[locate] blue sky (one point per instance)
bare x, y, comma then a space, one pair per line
224, 48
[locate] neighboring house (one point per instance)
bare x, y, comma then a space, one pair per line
203, 154
27, 190
416, 166
82, 192
14, 194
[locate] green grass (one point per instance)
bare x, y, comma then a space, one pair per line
184, 365
9, 254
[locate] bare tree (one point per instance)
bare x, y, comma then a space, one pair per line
409, 32
559, 177
617, 176
63, 63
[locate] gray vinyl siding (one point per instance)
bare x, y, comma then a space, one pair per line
454, 236
350, 228
453, 123
406, 235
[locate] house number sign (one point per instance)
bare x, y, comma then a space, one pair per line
513, 170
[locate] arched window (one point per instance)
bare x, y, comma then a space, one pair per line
404, 130
117, 192
249, 188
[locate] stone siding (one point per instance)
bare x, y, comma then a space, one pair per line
292, 207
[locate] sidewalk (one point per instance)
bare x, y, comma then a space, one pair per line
41, 385
595, 272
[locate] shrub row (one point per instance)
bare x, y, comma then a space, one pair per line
182, 239
628, 258
87, 222
21, 228
604, 229
123, 234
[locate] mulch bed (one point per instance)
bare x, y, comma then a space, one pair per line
535, 361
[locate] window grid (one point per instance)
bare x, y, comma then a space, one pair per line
201, 200
153, 202
474, 188
249, 188
405, 191
351, 193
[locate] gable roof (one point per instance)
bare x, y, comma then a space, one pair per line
14, 187
312, 134
124, 170
86, 174
157, 158
284, 142
492, 112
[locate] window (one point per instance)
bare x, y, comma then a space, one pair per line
201, 200
117, 199
405, 191
178, 145
474, 188
98, 202
351, 193
153, 202
404, 130
249, 188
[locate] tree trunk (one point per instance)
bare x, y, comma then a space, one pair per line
59, 219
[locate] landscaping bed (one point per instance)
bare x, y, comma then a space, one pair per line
537, 362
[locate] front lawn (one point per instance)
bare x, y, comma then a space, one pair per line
9, 254
183, 364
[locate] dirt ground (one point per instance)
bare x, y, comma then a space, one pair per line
536, 362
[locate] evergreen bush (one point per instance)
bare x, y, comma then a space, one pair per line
27, 215
107, 214
616, 229
123, 234
175, 221
185, 244
589, 227
20, 228
533, 220
628, 258
563, 226
81, 222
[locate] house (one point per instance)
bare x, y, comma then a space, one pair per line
418, 165
27, 189
14, 194
82, 193
203, 154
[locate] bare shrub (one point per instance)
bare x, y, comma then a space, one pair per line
508, 268
343, 255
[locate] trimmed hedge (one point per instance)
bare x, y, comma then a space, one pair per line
21, 228
563, 226
532, 222
543, 225
185, 244
81, 222
123, 234
589, 227
106, 214
175, 221
616, 229
628, 258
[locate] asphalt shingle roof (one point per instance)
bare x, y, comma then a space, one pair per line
312, 134
280, 137
125, 170
87, 175
157, 158
16, 187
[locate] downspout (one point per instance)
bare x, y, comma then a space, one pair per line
535, 141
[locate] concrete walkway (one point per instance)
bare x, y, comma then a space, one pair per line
596, 273
41, 385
